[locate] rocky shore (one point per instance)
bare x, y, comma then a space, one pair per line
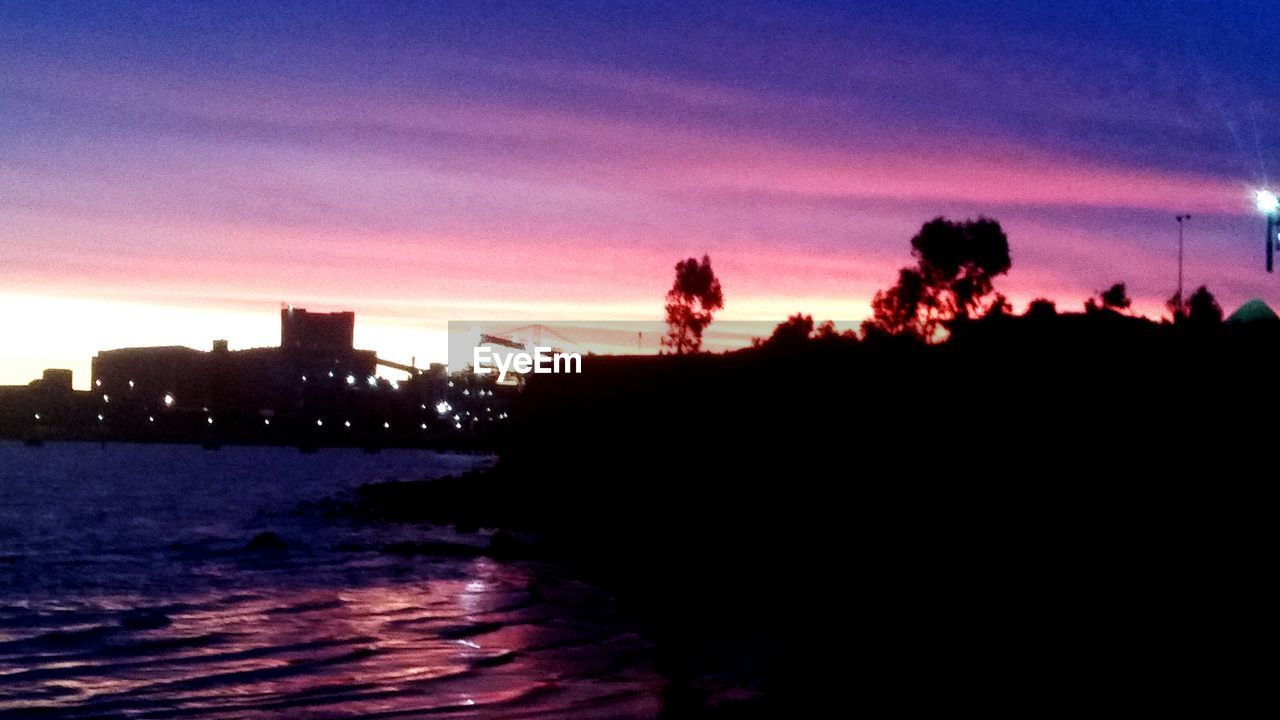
807, 531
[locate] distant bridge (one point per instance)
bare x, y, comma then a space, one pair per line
411, 369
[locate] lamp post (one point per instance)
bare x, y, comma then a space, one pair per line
1269, 205
1180, 219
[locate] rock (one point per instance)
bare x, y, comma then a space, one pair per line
267, 542
495, 660
144, 619
439, 549
504, 545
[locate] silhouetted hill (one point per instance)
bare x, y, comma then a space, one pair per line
1053, 506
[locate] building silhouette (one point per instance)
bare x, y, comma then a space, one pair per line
316, 348
315, 388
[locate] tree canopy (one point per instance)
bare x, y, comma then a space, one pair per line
1203, 309
956, 264
1114, 299
692, 302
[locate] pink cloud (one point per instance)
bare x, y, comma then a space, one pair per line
414, 210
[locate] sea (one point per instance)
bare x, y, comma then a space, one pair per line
132, 586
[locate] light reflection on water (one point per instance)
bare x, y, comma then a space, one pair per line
103, 623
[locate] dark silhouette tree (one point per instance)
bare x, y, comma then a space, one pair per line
956, 263
1177, 308
827, 332
1203, 309
1000, 306
1114, 299
692, 302
799, 331
1041, 308
901, 309
792, 332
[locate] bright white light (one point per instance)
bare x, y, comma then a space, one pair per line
97, 383
351, 379
130, 383
37, 416
168, 400
347, 423
395, 384
424, 426
466, 392
373, 381
450, 383
458, 425
386, 426
99, 417
1267, 201
151, 418
210, 420
330, 373
106, 398
266, 421
319, 423
304, 378
442, 407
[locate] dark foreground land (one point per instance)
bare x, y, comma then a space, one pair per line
1059, 514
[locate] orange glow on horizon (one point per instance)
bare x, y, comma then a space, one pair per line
65, 332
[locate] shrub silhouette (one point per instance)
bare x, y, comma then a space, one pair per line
1041, 308
1114, 299
794, 332
1203, 309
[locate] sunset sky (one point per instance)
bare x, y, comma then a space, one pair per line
171, 174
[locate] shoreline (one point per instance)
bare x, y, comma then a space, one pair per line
476, 447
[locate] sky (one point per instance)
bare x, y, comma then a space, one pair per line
173, 173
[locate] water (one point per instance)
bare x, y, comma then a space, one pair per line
127, 589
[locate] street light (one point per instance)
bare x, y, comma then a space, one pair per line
1181, 219
1269, 205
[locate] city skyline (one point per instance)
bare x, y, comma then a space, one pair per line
171, 175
